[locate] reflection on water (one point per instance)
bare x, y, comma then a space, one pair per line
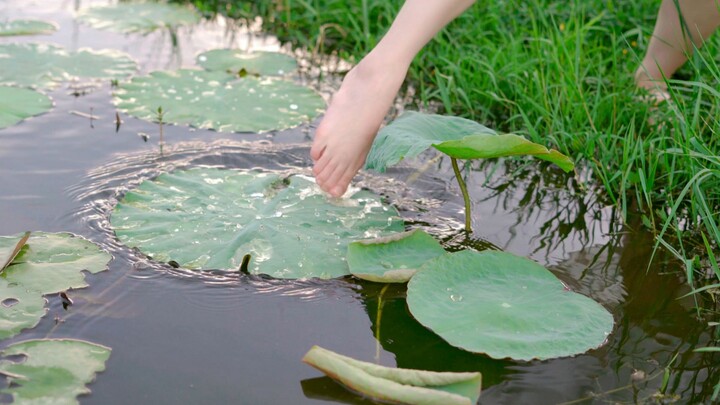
218, 337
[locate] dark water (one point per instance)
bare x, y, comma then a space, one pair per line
187, 337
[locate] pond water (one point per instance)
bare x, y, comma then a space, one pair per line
210, 337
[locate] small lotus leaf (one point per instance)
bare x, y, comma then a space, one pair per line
50, 263
53, 371
138, 17
257, 63
414, 132
394, 258
218, 100
211, 218
26, 27
397, 385
16, 104
46, 66
505, 306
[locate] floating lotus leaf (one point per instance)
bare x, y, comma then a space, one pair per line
397, 385
138, 17
219, 101
16, 104
53, 371
211, 218
49, 263
26, 27
505, 306
394, 258
414, 132
46, 66
258, 63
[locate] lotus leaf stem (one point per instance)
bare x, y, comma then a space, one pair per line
466, 196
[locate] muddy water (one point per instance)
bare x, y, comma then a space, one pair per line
190, 337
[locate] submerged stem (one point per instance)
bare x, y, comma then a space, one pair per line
466, 196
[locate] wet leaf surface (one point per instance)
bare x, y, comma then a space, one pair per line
257, 63
138, 17
17, 104
26, 27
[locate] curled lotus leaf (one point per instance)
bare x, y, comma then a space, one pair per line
54, 371
206, 218
254, 63
47, 66
505, 306
392, 259
26, 27
48, 264
141, 18
413, 133
16, 104
397, 385
219, 101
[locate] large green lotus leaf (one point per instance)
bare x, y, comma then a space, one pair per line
397, 385
259, 63
26, 27
138, 17
413, 133
505, 306
46, 66
16, 104
219, 101
211, 218
394, 258
49, 263
54, 371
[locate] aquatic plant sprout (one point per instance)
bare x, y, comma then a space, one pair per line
413, 133
54, 371
208, 218
140, 18
505, 306
254, 63
45, 66
219, 101
26, 27
48, 264
397, 385
16, 104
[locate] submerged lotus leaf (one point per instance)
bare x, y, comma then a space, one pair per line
257, 63
505, 306
219, 101
414, 132
211, 218
138, 17
48, 264
394, 258
46, 66
26, 27
397, 385
16, 104
54, 371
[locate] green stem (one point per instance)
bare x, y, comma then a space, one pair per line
466, 196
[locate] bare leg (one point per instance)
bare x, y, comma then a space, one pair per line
344, 137
672, 43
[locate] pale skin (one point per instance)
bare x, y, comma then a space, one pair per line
346, 132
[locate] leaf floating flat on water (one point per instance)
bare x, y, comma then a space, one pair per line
212, 218
26, 27
394, 258
413, 133
399, 385
258, 63
219, 101
140, 18
46, 66
54, 371
505, 306
16, 104
7, 258
51, 263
